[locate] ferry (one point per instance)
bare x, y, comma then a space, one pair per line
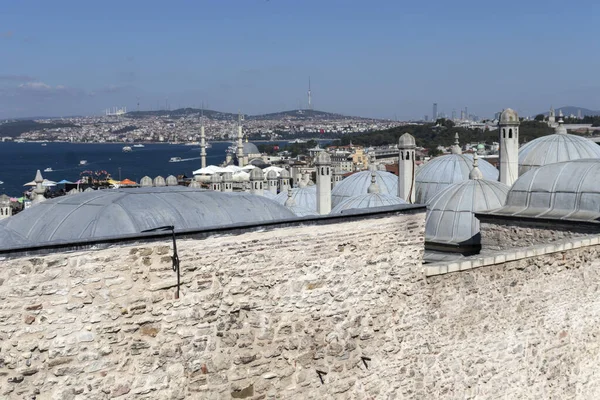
83, 162
49, 169
175, 159
138, 145
126, 149
1, 182
44, 144
297, 141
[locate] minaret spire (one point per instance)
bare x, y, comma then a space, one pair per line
202, 139
240, 145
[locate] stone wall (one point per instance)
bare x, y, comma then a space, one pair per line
498, 234
260, 313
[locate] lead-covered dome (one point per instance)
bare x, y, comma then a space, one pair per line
567, 190
250, 149
357, 184
304, 197
450, 216
509, 116
555, 148
368, 200
121, 212
441, 172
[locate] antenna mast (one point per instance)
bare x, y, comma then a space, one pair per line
309, 95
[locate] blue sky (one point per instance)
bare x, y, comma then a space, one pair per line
370, 58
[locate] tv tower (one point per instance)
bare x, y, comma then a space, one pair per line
309, 95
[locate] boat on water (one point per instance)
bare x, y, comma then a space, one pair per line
175, 159
138, 145
44, 144
49, 169
83, 162
126, 149
1, 182
297, 141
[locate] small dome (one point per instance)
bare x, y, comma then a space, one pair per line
256, 175
555, 148
450, 213
567, 190
509, 116
323, 158
215, 178
250, 149
227, 177
89, 190
146, 182
305, 197
271, 175
195, 184
444, 171
171, 180
369, 200
406, 141
357, 184
159, 181
284, 174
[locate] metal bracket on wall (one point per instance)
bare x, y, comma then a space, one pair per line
175, 256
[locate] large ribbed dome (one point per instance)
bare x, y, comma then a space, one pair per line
450, 213
304, 197
250, 148
555, 148
357, 185
443, 171
567, 190
115, 213
368, 200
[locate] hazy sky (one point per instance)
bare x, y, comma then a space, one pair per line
370, 58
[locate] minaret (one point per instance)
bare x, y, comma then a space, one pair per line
284, 181
551, 116
323, 167
256, 182
39, 188
215, 182
227, 182
272, 181
202, 143
309, 95
240, 145
508, 131
406, 167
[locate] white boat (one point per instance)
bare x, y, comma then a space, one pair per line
138, 145
83, 162
44, 144
126, 149
175, 159
297, 141
1, 182
49, 169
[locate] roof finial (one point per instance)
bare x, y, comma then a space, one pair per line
373, 188
475, 172
290, 200
456, 148
456, 139
372, 160
560, 129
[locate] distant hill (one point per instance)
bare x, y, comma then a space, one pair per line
572, 110
224, 116
15, 128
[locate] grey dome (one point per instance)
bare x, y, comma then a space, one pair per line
215, 178
284, 173
159, 181
357, 184
271, 175
301, 211
323, 158
368, 200
567, 190
250, 148
171, 180
146, 182
450, 213
444, 171
227, 177
509, 116
269, 195
555, 148
114, 213
305, 197
256, 174
406, 141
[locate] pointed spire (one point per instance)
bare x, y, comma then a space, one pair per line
372, 162
475, 172
455, 149
373, 188
38, 177
560, 129
456, 139
290, 200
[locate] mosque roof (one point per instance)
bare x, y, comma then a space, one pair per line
119, 212
357, 185
367, 200
441, 172
250, 148
450, 213
567, 190
555, 148
305, 197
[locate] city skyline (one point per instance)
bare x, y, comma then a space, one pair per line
257, 57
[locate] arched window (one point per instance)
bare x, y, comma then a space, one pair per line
408, 155
510, 133
327, 170
504, 133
